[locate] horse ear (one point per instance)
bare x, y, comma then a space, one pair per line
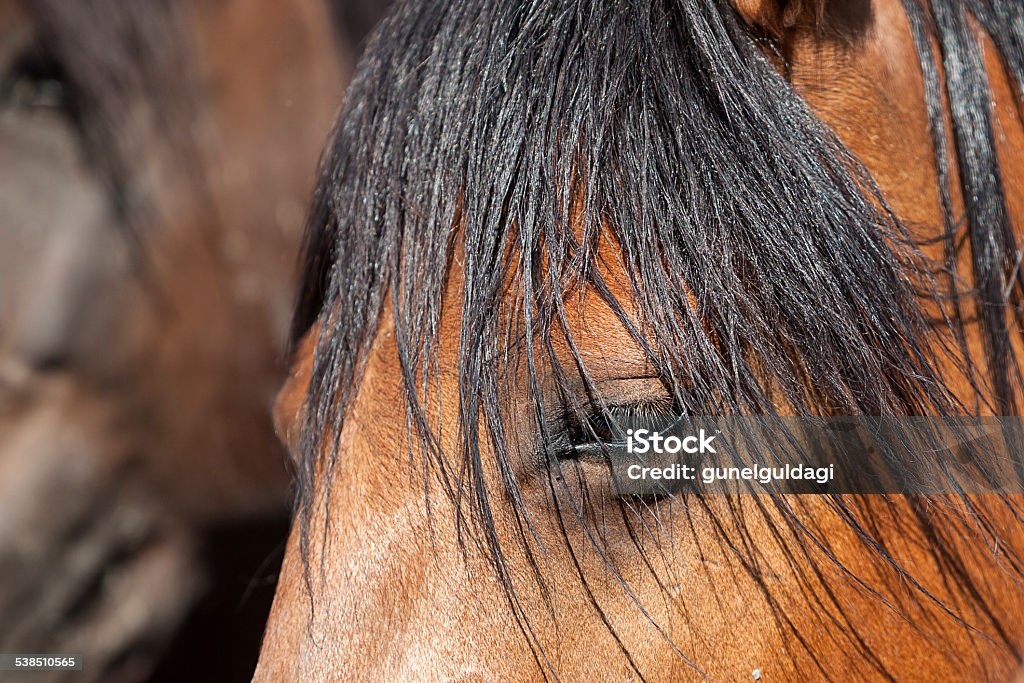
778, 17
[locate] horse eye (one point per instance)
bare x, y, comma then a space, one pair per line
596, 428
35, 79
606, 426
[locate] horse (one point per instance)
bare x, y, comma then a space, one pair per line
535, 217
152, 199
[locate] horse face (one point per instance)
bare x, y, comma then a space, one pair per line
394, 588
680, 586
398, 598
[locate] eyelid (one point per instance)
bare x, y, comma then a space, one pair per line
656, 406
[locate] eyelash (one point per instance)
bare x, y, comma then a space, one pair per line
576, 438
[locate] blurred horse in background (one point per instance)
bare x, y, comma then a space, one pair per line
155, 159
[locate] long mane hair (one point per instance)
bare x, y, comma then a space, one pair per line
764, 266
